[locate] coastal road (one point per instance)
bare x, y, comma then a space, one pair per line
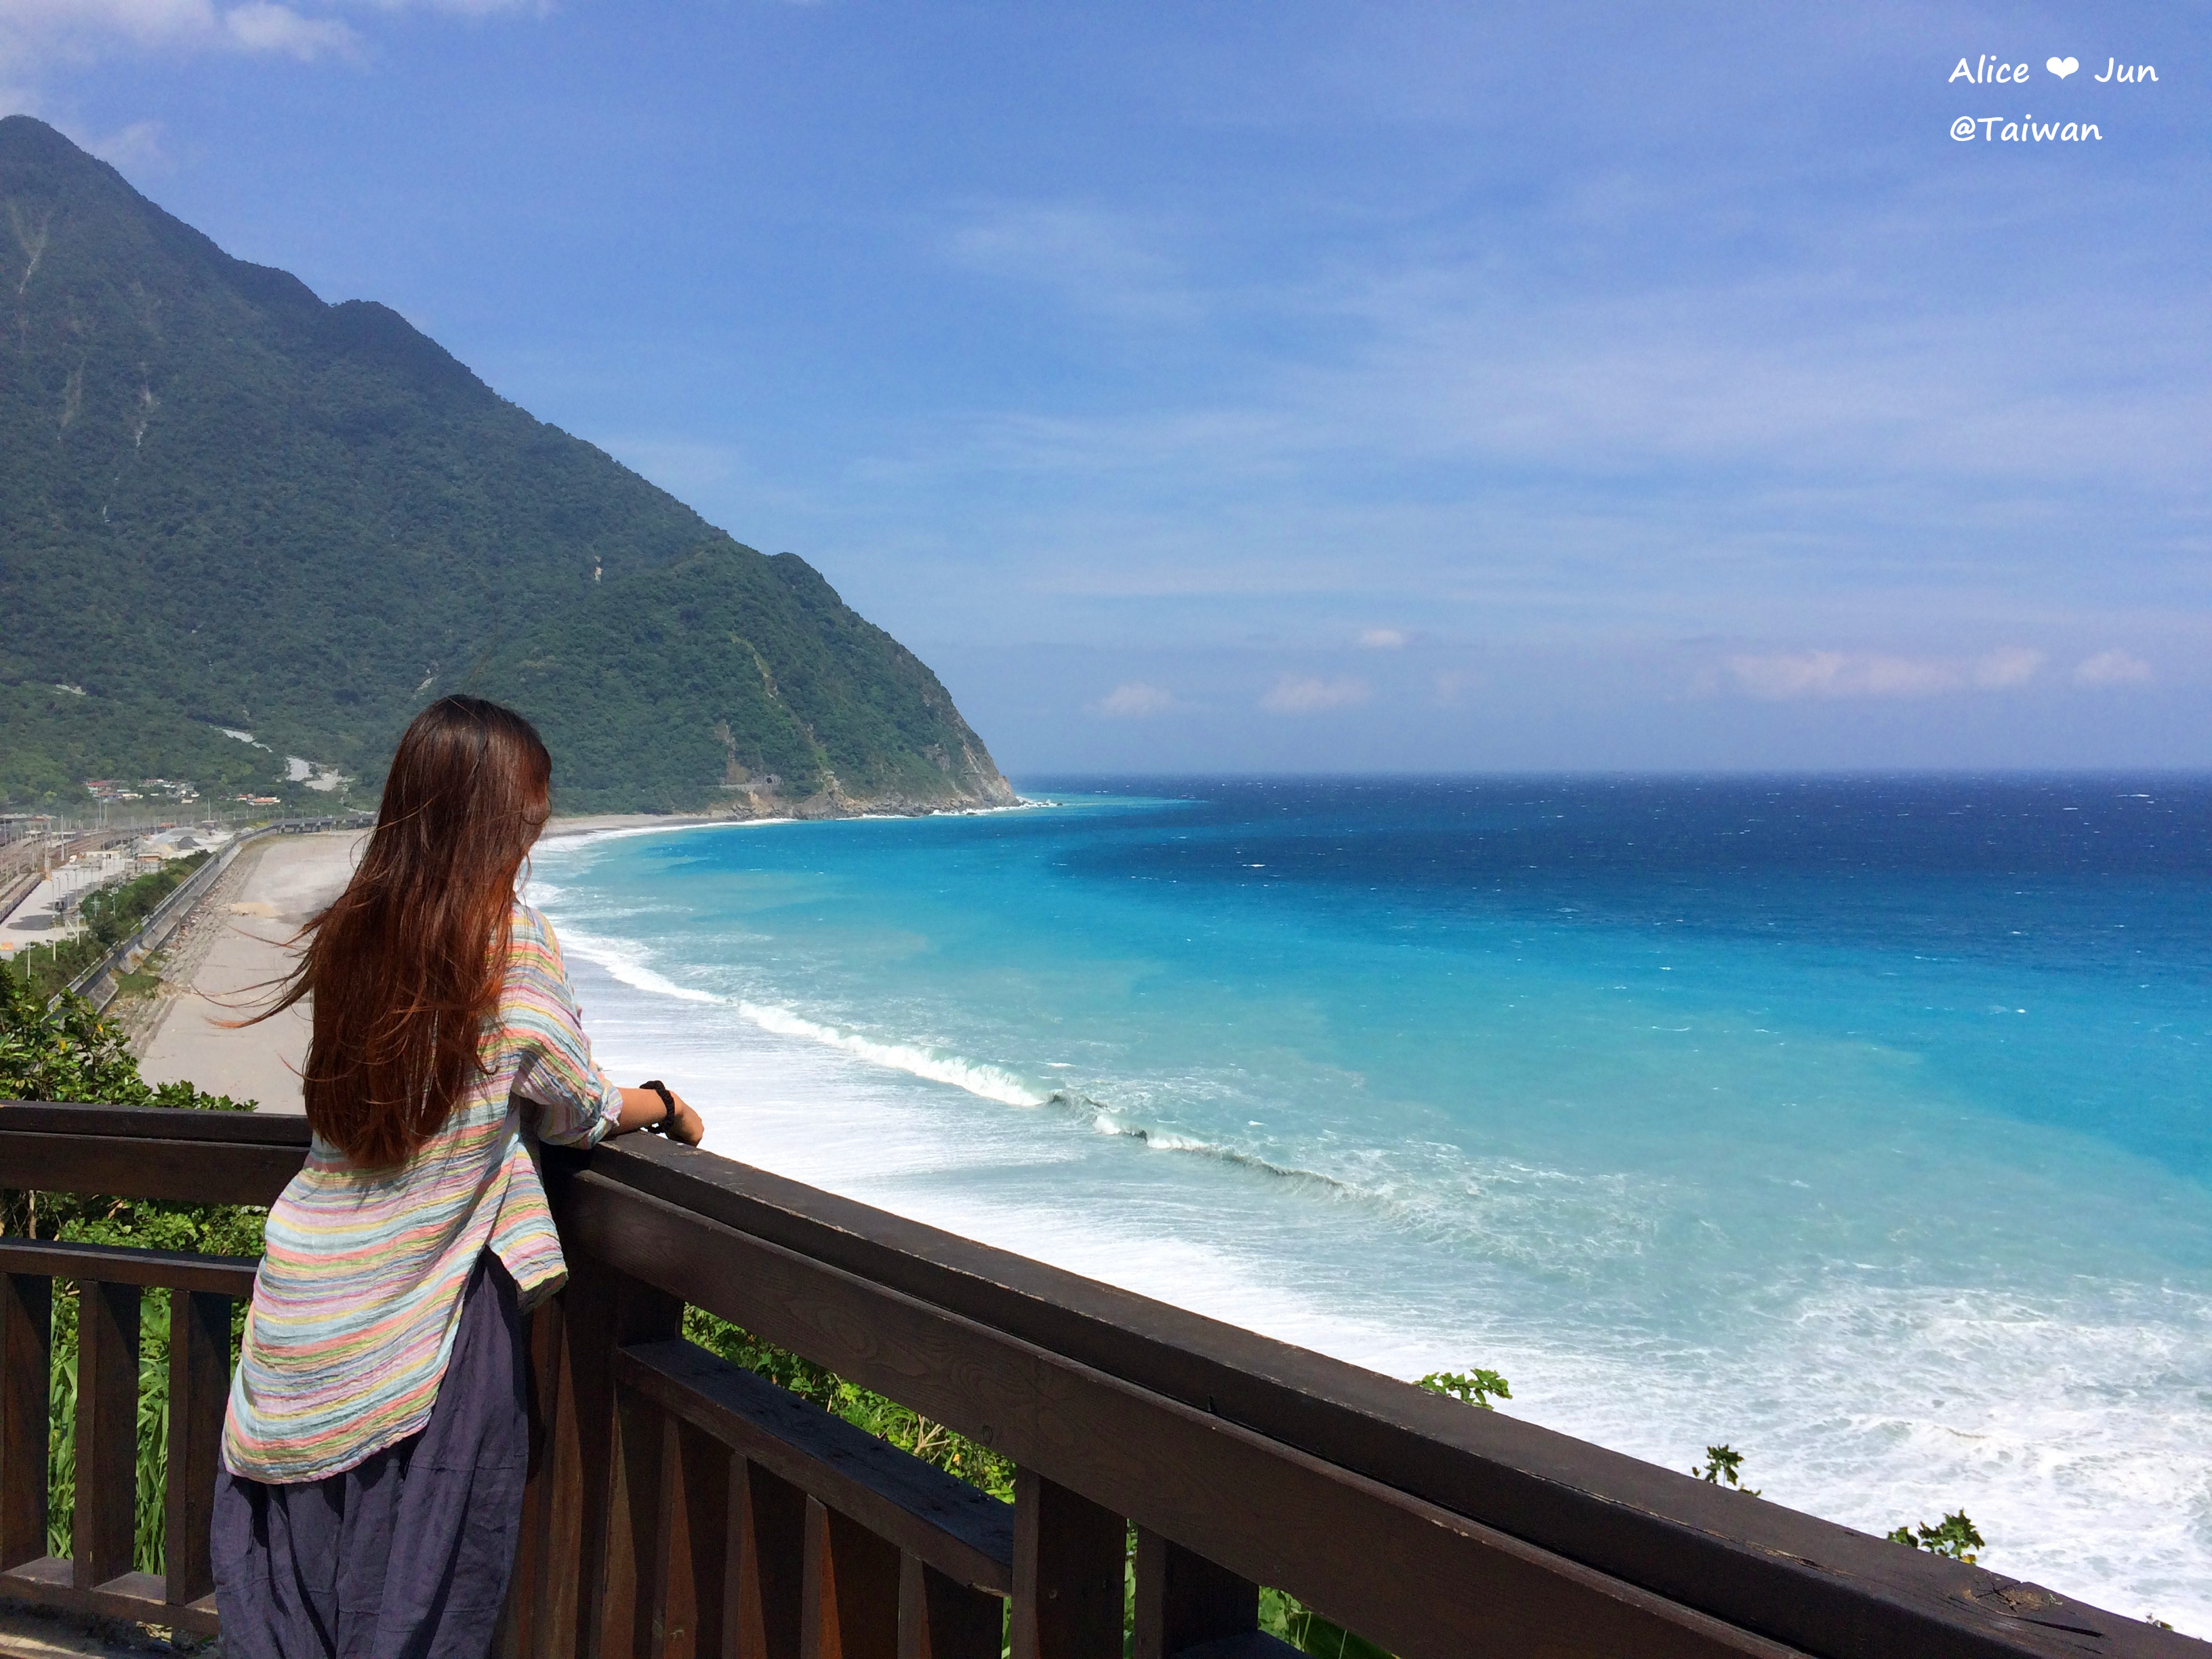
237, 943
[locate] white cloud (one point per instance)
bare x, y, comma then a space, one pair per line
1789, 675
261, 26
2002, 670
83, 29
2111, 668
1838, 674
137, 146
467, 8
1301, 694
1382, 639
140, 22
1096, 261
1135, 701
80, 31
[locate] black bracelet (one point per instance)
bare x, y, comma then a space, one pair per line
667, 1101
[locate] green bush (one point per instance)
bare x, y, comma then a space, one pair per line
70, 1054
1474, 1388
885, 1419
1955, 1535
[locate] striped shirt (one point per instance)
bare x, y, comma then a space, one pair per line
359, 1295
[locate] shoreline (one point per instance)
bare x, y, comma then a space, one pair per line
224, 959
1530, 1280
237, 941
563, 826
567, 827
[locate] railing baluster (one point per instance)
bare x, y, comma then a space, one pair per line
692, 1565
941, 1619
767, 1586
26, 1364
1068, 1562
105, 1524
199, 1389
636, 1549
602, 1309
1183, 1599
852, 1595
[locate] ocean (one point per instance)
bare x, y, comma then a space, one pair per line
1864, 1126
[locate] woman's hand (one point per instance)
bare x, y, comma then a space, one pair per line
643, 1107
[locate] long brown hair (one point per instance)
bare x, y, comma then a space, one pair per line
405, 968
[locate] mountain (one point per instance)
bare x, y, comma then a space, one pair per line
225, 504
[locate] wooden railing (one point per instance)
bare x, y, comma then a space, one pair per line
680, 1507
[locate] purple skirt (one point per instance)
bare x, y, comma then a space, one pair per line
407, 1555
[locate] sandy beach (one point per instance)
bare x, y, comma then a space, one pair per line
589, 824
239, 940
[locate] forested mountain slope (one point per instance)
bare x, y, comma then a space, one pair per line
224, 504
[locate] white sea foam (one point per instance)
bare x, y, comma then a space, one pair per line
987, 1082
568, 838
1641, 1307
2042, 1420
628, 963
2064, 1429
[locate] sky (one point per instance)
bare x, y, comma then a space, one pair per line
1312, 387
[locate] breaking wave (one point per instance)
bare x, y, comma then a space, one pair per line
987, 1082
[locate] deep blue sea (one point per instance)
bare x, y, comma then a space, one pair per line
1865, 1126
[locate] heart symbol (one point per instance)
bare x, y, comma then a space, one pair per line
2063, 67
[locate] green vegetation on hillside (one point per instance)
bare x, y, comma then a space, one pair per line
57, 739
800, 690
225, 503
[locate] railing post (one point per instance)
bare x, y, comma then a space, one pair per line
27, 1366
852, 1596
104, 1527
939, 1619
1183, 1599
767, 1586
1069, 1556
601, 1310
199, 1389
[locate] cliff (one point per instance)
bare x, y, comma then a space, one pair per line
226, 504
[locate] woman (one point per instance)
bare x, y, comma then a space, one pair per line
377, 1440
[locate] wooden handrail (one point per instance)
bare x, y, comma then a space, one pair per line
948, 1523
1260, 1508
117, 1264
154, 1123
1819, 1586
772, 1525
1423, 1525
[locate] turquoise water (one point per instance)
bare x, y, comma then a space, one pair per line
1864, 1126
